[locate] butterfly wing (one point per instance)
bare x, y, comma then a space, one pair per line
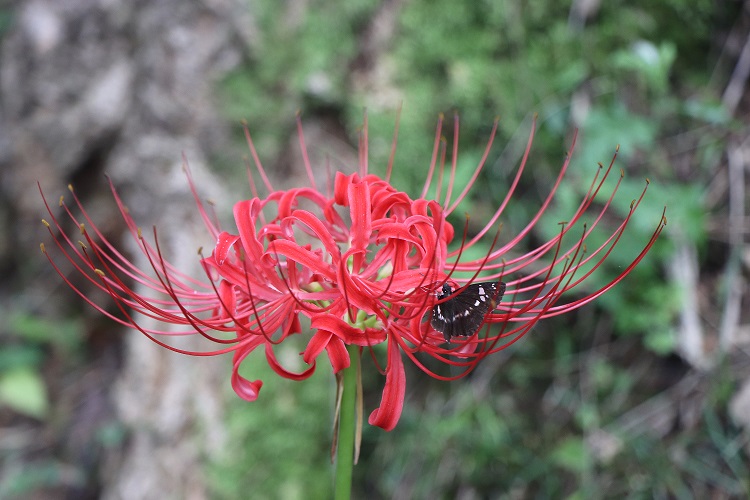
442, 314
464, 314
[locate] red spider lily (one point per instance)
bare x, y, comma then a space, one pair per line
364, 264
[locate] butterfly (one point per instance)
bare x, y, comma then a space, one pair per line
464, 314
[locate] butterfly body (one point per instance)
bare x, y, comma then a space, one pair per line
464, 314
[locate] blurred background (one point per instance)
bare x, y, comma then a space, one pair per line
644, 393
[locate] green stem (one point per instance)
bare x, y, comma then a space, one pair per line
347, 426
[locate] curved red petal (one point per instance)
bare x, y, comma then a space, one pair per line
392, 403
346, 332
246, 389
360, 212
296, 253
275, 366
337, 354
224, 244
315, 346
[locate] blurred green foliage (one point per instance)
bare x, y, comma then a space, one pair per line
28, 338
278, 446
636, 74
27, 344
44, 473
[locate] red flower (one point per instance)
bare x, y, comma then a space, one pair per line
365, 264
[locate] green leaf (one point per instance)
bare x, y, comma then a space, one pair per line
662, 341
24, 391
707, 110
572, 454
65, 333
20, 356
